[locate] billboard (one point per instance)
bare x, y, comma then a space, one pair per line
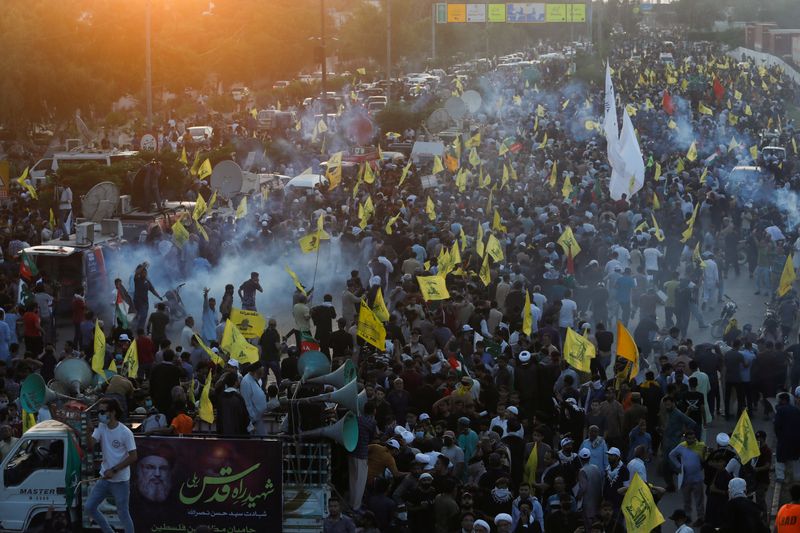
496, 12
556, 13
440, 13
224, 484
577, 12
456, 12
525, 12
476, 12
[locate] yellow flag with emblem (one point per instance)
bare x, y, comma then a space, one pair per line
25, 185
704, 110
687, 233
567, 188
691, 154
334, 170
433, 288
296, 280
748, 111
369, 175
206, 411
195, 164
379, 307
179, 234
309, 243
544, 141
553, 175
430, 209
215, 358
474, 159
788, 276
743, 439
569, 243
241, 211
370, 328
578, 351
99, 354
390, 223
494, 249
200, 207
479, 240
474, 141
455, 253
626, 349
639, 509
236, 345
205, 169
497, 223
659, 233
485, 273
131, 360
404, 174
527, 315
183, 159
657, 174
656, 201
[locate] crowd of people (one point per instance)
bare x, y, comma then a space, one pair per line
474, 419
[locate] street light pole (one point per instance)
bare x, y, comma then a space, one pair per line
388, 49
322, 53
148, 75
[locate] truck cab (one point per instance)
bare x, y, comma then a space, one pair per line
34, 476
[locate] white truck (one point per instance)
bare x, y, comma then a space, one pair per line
259, 484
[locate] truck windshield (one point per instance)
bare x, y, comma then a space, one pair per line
31, 456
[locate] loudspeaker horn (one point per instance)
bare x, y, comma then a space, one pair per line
347, 397
339, 377
313, 364
345, 432
362, 400
75, 372
35, 393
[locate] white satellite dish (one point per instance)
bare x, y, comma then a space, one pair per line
439, 120
473, 100
456, 108
100, 202
227, 178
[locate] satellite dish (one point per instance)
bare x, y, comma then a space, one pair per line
100, 202
438, 121
472, 99
455, 107
227, 178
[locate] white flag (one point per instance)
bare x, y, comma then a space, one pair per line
629, 178
610, 124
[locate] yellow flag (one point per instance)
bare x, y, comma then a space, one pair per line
362, 71
687, 233
659, 233
183, 159
215, 358
370, 328
626, 349
544, 141
241, 211
28, 420
201, 230
704, 175
236, 345
743, 439
648, 104
578, 351
390, 223
733, 145
754, 152
99, 355
671, 124
131, 360
566, 189
430, 209
539, 110
455, 253
553, 175
437, 165
461, 180
404, 175
479, 240
52, 220
497, 224
463, 240
200, 207
204, 170
703, 109
309, 243
568, 242
296, 280
531, 465
474, 159
212, 201
379, 307
433, 288
656, 202
691, 155
334, 170
489, 201
640, 510
657, 174
494, 249
24, 184
179, 234
748, 111
474, 141
788, 277
503, 150
641, 227
369, 175
485, 273
527, 315
206, 411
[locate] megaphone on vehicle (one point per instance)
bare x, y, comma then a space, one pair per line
339, 377
346, 396
345, 432
35, 393
313, 364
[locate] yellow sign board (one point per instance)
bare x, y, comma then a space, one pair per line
496, 12
555, 13
576, 12
456, 12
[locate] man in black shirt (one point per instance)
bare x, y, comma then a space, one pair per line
323, 316
163, 377
270, 343
157, 324
341, 342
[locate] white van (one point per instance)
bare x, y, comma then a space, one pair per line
39, 170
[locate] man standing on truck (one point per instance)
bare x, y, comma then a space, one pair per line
119, 452
247, 292
141, 288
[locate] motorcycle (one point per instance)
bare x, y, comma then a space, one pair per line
174, 303
770, 327
727, 312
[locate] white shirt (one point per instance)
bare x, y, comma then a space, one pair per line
187, 334
116, 444
684, 529
651, 257
566, 317
540, 299
612, 265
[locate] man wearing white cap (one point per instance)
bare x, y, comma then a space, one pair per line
590, 487
481, 526
503, 523
616, 479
